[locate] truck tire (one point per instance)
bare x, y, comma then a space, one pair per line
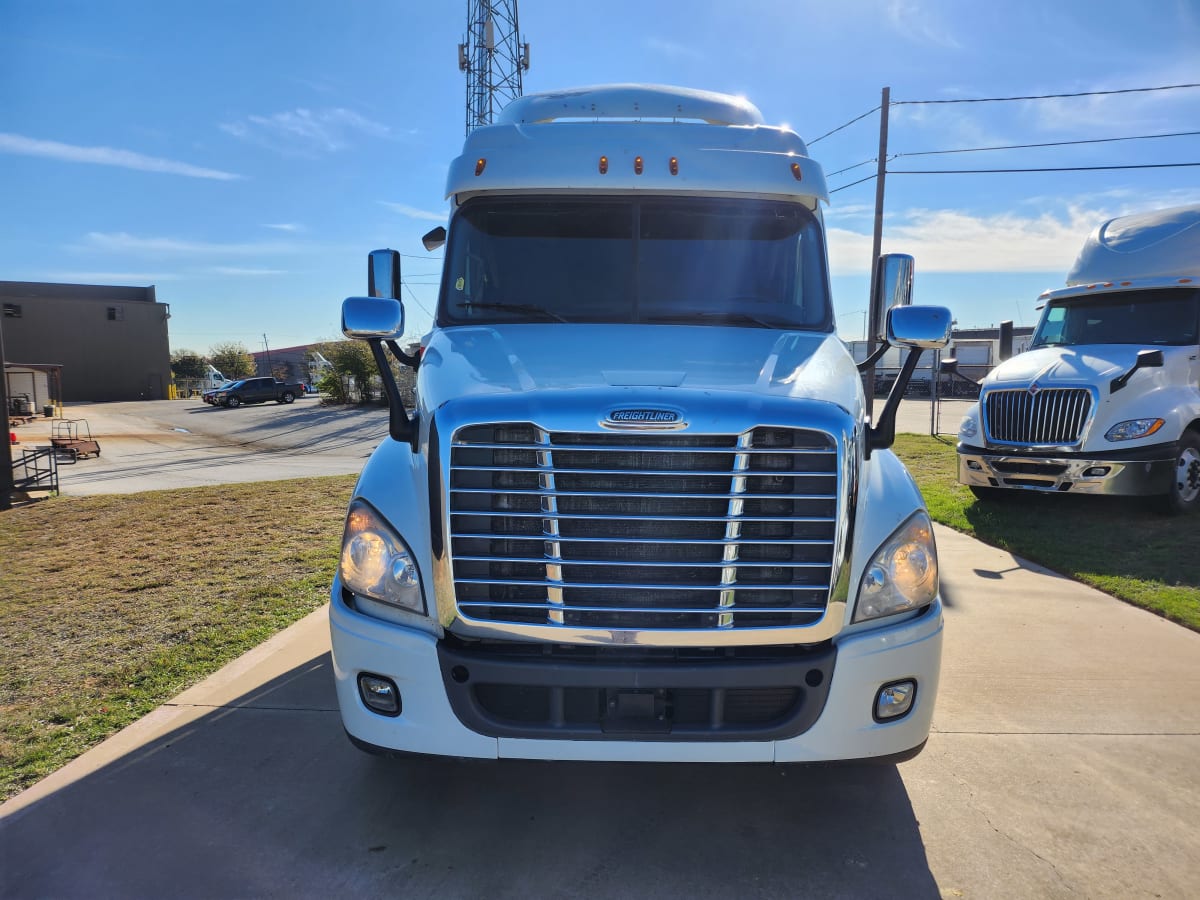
233, 402
1183, 497
287, 397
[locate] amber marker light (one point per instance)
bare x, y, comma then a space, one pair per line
604, 165
480, 165
796, 173
637, 165
674, 165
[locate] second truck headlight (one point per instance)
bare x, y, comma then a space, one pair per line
1133, 429
376, 563
903, 574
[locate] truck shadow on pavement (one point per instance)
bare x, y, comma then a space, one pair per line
265, 796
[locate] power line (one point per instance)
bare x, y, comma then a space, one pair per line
1136, 137
853, 183
1048, 169
415, 300
869, 112
865, 162
1165, 87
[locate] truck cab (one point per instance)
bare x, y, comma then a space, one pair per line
1107, 398
638, 511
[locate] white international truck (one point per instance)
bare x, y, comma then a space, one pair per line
638, 511
1107, 398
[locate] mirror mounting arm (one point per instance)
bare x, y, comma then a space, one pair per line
411, 361
882, 434
875, 357
401, 426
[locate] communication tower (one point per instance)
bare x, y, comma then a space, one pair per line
493, 58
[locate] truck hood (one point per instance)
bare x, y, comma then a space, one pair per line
1094, 364
493, 359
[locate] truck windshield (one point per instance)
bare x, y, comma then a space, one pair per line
752, 263
1166, 317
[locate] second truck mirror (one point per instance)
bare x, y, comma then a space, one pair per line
383, 274
893, 287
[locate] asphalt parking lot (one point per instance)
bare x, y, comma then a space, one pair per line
1062, 763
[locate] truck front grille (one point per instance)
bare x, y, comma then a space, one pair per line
637, 531
1051, 417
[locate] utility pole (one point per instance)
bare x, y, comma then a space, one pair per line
875, 313
267, 349
493, 57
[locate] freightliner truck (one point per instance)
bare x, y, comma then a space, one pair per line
638, 511
1107, 398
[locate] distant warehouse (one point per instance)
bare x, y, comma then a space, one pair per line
110, 341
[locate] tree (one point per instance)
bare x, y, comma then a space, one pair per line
350, 359
188, 364
232, 359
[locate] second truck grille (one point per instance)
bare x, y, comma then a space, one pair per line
1053, 416
636, 531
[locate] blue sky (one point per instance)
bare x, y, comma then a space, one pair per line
244, 156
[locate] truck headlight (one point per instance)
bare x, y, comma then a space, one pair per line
903, 574
1133, 428
968, 428
376, 563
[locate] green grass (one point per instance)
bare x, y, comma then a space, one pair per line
111, 605
1119, 545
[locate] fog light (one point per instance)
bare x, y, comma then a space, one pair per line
379, 694
1096, 472
974, 466
895, 700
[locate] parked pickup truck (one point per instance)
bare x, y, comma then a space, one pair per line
257, 390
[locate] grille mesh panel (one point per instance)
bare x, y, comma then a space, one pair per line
1053, 416
637, 530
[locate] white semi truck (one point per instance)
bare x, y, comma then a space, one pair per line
1107, 398
638, 511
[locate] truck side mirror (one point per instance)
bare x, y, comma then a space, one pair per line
1146, 359
383, 274
919, 327
434, 238
893, 287
372, 318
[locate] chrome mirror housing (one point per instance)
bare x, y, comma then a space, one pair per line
370, 318
383, 274
922, 327
893, 286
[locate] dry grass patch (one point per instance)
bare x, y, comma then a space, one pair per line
111, 605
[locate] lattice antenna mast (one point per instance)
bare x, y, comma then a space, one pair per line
493, 57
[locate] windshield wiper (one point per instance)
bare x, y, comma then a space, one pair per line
527, 308
727, 318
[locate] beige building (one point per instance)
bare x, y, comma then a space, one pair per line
110, 341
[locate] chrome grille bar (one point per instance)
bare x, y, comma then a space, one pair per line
1050, 417
642, 530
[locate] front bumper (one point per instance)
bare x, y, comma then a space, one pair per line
844, 728
1135, 473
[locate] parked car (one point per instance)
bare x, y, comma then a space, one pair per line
257, 390
210, 396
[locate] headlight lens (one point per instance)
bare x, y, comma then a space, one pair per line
903, 575
376, 563
968, 428
1132, 429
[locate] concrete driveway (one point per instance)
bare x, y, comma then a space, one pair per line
165, 444
1062, 764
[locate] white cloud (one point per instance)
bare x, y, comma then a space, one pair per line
672, 50
413, 212
306, 132
123, 242
106, 156
285, 226
947, 240
918, 23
